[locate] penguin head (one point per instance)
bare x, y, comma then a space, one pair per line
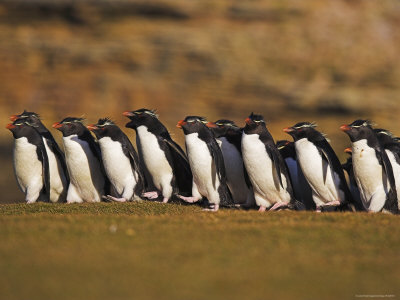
254, 124
192, 124
385, 136
25, 115
222, 127
104, 127
71, 126
140, 117
286, 148
20, 129
359, 130
30, 118
302, 130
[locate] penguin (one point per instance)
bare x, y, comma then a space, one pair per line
164, 160
355, 193
57, 168
207, 164
320, 166
83, 159
301, 189
120, 160
229, 136
265, 166
372, 168
392, 148
31, 165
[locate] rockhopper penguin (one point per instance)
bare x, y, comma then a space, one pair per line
31, 165
163, 159
120, 160
82, 154
206, 162
266, 168
57, 168
229, 137
320, 166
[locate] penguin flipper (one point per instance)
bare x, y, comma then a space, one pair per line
177, 158
273, 154
130, 152
218, 160
42, 154
57, 152
391, 202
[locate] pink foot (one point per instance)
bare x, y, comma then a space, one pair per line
278, 205
318, 209
333, 203
111, 198
213, 208
165, 200
189, 199
262, 208
150, 195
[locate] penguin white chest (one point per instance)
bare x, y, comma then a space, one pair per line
84, 168
201, 164
323, 181
262, 171
116, 164
368, 174
27, 166
154, 158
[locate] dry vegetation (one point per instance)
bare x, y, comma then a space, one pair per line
327, 61
151, 251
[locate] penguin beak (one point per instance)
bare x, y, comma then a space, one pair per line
13, 117
10, 126
348, 150
248, 121
288, 129
345, 128
128, 114
92, 127
211, 125
57, 125
181, 123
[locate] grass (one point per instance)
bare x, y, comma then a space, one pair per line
152, 251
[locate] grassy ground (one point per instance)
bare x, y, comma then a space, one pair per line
153, 251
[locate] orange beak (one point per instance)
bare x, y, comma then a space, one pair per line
348, 150
92, 127
128, 114
288, 129
10, 126
181, 123
57, 125
13, 117
345, 128
248, 121
211, 125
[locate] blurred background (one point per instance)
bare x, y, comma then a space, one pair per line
324, 61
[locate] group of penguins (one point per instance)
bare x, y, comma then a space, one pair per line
224, 165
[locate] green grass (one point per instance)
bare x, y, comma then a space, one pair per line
152, 251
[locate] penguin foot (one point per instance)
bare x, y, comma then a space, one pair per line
165, 200
262, 208
150, 195
111, 198
214, 208
189, 199
278, 205
333, 203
